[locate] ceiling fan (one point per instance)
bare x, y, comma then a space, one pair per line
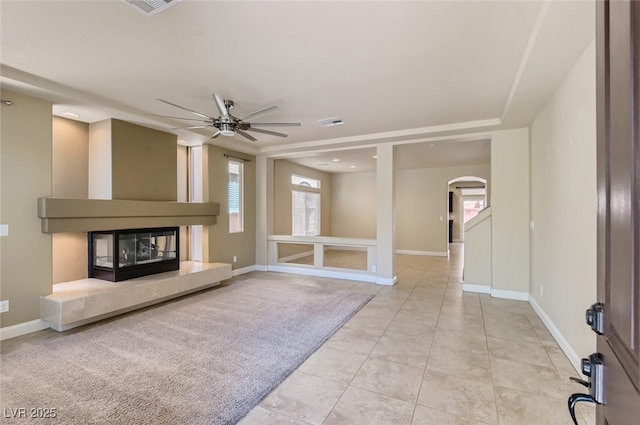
228, 125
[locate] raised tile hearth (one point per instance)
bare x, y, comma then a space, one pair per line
84, 301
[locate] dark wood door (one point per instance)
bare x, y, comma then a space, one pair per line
618, 89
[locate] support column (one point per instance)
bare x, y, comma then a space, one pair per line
264, 209
386, 222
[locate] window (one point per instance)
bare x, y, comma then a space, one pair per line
305, 181
472, 207
235, 195
305, 200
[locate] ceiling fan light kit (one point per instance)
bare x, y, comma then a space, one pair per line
229, 125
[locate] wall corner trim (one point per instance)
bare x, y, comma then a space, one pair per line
22, 329
479, 289
573, 357
386, 280
244, 270
510, 295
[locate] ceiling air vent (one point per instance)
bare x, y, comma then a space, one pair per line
152, 7
331, 122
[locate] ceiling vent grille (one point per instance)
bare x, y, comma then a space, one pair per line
152, 7
331, 122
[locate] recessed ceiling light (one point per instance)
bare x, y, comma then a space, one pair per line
375, 156
322, 165
335, 160
71, 114
352, 166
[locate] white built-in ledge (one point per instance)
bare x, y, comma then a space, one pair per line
87, 215
84, 301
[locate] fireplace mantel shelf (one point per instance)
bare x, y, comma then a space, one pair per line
87, 215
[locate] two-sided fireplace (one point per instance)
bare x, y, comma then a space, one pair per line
125, 254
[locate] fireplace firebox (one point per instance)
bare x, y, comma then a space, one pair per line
125, 254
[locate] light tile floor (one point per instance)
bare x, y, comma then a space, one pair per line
421, 352
424, 352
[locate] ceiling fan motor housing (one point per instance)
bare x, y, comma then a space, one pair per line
228, 125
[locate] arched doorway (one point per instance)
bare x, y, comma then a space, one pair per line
467, 195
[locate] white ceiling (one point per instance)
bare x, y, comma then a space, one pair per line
397, 72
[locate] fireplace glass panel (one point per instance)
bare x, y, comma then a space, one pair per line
146, 247
103, 250
125, 254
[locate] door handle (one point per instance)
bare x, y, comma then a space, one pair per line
575, 399
593, 368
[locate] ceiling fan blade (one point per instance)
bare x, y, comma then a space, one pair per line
247, 135
276, 124
273, 133
216, 134
177, 118
191, 127
224, 113
187, 109
260, 112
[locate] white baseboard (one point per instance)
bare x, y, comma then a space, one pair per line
309, 271
573, 357
510, 295
432, 253
22, 329
479, 289
244, 270
496, 293
261, 268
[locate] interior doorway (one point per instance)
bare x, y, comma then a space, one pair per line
468, 195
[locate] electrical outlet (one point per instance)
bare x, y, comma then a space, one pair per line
4, 306
373, 269
4, 230
235, 259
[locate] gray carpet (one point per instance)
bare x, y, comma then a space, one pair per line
204, 359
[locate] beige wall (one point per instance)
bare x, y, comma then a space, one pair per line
182, 171
70, 156
100, 179
353, 205
282, 170
421, 199
510, 212
563, 205
25, 175
222, 245
70, 176
182, 165
144, 163
128, 161
477, 258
